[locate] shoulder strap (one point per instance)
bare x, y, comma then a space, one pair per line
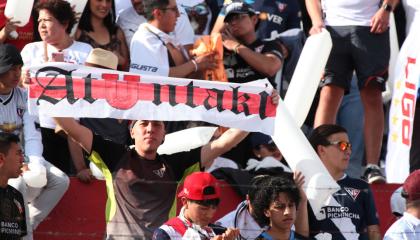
177, 224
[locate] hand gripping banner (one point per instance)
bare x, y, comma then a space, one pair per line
68, 90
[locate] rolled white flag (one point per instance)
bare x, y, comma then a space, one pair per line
307, 75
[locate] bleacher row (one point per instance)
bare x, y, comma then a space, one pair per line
81, 212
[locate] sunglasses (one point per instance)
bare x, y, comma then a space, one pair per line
342, 145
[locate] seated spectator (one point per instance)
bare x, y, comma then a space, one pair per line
350, 213
242, 217
277, 20
40, 198
131, 18
200, 198
276, 206
56, 19
165, 56
246, 57
408, 226
12, 212
276, 17
97, 27
267, 153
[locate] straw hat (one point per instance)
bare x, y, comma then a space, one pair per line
99, 57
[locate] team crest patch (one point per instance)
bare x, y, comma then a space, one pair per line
259, 49
160, 172
352, 192
281, 6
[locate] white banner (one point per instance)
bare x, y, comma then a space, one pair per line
67, 90
406, 83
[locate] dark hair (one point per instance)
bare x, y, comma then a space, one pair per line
255, 186
320, 134
269, 190
6, 139
109, 21
61, 10
210, 202
150, 5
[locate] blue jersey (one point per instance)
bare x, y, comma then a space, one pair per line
348, 213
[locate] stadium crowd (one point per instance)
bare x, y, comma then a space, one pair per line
250, 40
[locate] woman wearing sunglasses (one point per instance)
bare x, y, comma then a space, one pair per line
350, 212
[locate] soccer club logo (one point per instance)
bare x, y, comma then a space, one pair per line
352, 192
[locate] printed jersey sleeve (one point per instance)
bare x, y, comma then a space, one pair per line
110, 152
273, 47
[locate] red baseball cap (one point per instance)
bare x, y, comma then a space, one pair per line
200, 186
411, 187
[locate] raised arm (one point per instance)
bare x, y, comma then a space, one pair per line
266, 63
302, 221
224, 143
200, 63
80, 134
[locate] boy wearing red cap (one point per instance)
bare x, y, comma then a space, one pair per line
408, 226
200, 197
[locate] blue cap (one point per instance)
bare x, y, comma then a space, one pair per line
258, 139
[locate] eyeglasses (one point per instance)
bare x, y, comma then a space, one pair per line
174, 9
199, 9
342, 145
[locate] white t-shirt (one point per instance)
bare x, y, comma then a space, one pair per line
33, 54
241, 218
407, 228
129, 21
148, 53
121, 5
349, 12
